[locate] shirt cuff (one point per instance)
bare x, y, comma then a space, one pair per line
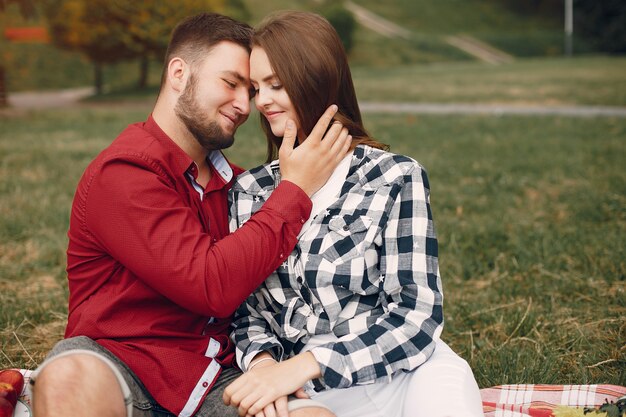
293, 204
274, 349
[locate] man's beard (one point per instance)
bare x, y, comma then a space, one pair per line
207, 132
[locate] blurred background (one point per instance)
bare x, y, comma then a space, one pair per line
517, 109
112, 45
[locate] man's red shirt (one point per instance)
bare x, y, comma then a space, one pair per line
153, 274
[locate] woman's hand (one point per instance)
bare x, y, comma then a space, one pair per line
269, 383
279, 407
311, 164
276, 409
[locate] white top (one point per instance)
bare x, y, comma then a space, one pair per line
329, 193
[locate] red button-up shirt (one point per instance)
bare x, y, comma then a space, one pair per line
153, 275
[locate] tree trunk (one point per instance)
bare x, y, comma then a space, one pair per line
4, 102
144, 64
98, 77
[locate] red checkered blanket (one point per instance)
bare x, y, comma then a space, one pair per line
528, 400
520, 400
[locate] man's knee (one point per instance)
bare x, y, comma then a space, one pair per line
75, 377
311, 412
67, 370
71, 373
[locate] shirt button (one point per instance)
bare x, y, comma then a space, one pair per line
299, 279
214, 240
302, 221
205, 384
281, 255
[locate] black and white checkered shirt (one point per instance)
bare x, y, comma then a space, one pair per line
367, 272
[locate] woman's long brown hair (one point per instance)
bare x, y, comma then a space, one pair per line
310, 61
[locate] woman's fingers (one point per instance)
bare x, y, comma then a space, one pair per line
322, 124
269, 411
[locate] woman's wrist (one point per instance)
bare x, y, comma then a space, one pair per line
307, 365
256, 361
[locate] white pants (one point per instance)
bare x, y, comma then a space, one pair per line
444, 386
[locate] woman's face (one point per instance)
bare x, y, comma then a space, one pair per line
271, 99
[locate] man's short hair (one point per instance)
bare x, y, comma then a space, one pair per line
195, 36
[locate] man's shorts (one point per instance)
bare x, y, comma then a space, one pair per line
138, 400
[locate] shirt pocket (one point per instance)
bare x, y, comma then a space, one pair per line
347, 238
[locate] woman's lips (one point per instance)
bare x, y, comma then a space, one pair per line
272, 114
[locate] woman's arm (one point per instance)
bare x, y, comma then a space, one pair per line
404, 336
252, 334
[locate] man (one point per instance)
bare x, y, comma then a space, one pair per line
153, 276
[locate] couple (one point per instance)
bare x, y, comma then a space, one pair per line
335, 242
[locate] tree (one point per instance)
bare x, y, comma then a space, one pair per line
88, 27
603, 22
27, 10
343, 21
109, 31
27, 7
150, 22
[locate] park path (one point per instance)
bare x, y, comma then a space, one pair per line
492, 109
49, 99
71, 97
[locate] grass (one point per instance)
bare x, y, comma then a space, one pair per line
489, 21
591, 80
529, 212
530, 215
452, 16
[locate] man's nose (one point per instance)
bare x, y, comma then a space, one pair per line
242, 102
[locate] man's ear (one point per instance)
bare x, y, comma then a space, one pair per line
177, 74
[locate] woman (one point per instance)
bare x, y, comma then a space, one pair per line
354, 315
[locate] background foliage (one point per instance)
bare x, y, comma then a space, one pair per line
108, 31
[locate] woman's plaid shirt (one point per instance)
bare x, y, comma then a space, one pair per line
367, 272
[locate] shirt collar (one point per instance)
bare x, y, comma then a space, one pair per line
222, 167
218, 163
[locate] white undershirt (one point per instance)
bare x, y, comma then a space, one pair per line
326, 195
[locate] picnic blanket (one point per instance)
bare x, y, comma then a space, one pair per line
535, 400
519, 400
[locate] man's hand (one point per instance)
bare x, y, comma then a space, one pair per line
268, 383
310, 165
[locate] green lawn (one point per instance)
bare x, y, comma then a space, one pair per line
591, 80
453, 16
529, 213
489, 21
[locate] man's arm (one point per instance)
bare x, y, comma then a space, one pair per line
137, 217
